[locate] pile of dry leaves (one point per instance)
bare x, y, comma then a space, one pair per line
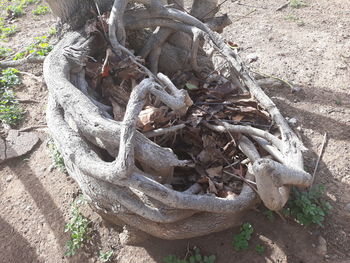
220, 167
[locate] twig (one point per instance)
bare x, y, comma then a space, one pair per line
27, 101
273, 77
282, 6
239, 3
188, 250
216, 118
216, 8
238, 177
280, 215
162, 131
244, 16
32, 128
319, 158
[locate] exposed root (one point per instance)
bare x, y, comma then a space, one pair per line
16, 63
142, 199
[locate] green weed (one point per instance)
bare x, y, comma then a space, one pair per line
5, 52
7, 31
79, 228
56, 156
308, 207
10, 111
269, 215
338, 102
52, 31
297, 4
241, 241
10, 77
295, 19
195, 256
41, 10
260, 249
15, 10
40, 47
105, 256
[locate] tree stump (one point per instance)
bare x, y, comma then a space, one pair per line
129, 178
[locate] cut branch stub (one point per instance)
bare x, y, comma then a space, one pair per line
131, 190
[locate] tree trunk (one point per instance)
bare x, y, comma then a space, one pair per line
131, 190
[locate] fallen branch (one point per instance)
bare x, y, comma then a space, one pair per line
320, 154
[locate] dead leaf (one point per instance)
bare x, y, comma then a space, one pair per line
214, 172
190, 86
151, 115
238, 117
212, 187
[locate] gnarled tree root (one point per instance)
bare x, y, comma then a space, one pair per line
119, 190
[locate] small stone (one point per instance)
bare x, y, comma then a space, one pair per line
51, 167
252, 58
17, 144
9, 178
296, 89
321, 247
292, 121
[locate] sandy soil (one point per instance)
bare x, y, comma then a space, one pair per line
309, 47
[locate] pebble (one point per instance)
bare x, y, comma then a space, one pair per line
9, 178
51, 167
296, 89
322, 246
292, 121
252, 57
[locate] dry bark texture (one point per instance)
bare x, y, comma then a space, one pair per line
81, 125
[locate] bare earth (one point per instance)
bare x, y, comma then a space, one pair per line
309, 47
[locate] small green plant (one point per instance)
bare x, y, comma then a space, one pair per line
56, 156
79, 228
105, 256
295, 19
19, 55
241, 241
41, 10
260, 249
10, 77
308, 207
297, 3
40, 47
7, 31
10, 111
52, 31
269, 215
338, 102
195, 256
15, 10
5, 52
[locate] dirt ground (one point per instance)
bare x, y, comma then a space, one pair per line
309, 46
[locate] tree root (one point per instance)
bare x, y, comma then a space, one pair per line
119, 190
16, 63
